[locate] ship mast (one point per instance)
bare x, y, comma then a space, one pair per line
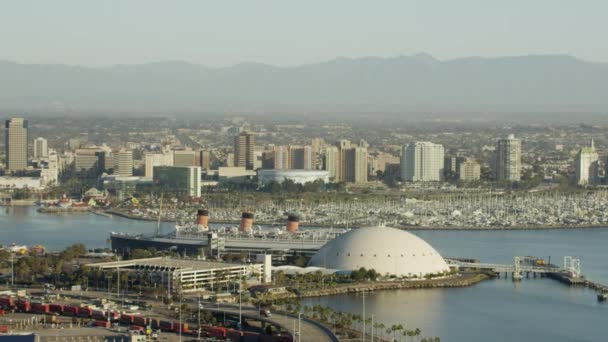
160, 210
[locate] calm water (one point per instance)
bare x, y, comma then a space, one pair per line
496, 310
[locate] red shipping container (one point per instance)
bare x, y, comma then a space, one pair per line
56, 308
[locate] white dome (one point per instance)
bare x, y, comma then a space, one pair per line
386, 250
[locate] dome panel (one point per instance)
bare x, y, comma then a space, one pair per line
387, 250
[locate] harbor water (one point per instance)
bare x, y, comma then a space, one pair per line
535, 309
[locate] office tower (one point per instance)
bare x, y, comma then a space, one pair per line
156, 159
468, 170
268, 160
244, 146
184, 158
16, 144
587, 165
41, 149
205, 160
300, 157
331, 161
422, 162
90, 160
355, 167
507, 163
281, 158
124, 163
50, 174
182, 180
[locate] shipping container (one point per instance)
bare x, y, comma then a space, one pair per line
24, 305
56, 308
3, 329
166, 326
40, 308
126, 319
104, 324
155, 323
184, 327
70, 310
85, 312
7, 302
139, 320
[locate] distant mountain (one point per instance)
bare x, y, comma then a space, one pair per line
405, 83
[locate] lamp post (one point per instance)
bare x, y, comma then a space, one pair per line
363, 335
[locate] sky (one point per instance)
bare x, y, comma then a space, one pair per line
284, 32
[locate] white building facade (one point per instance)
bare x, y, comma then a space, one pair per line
422, 162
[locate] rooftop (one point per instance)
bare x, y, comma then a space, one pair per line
166, 263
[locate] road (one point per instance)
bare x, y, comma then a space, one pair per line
309, 332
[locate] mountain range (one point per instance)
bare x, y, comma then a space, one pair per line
371, 84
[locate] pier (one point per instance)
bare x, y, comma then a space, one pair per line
569, 273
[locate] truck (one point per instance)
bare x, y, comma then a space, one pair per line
265, 313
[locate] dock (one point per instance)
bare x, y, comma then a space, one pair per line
569, 273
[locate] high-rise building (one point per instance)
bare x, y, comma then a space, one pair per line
507, 159
41, 149
157, 159
355, 166
50, 174
124, 163
90, 160
244, 147
281, 158
587, 165
183, 180
184, 158
468, 170
16, 144
422, 162
331, 162
205, 160
300, 157
346, 162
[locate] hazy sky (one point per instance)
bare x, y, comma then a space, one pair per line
284, 32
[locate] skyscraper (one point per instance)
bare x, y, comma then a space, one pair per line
184, 158
16, 144
422, 162
587, 165
468, 170
244, 146
41, 149
346, 162
332, 158
507, 163
124, 163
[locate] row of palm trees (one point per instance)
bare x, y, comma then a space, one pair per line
349, 323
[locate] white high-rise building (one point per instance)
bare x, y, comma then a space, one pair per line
50, 174
422, 162
508, 159
41, 149
124, 163
587, 165
157, 159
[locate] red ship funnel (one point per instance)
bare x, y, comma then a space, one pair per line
293, 223
246, 222
202, 217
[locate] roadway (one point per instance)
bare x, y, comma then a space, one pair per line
308, 330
